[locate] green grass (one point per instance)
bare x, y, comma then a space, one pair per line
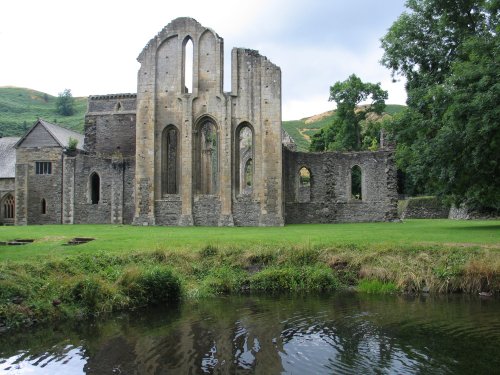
20, 108
376, 287
50, 239
129, 266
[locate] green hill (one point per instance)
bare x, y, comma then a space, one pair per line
20, 108
302, 130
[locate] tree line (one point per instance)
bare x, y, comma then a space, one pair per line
447, 138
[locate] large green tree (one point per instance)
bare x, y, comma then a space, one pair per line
346, 132
65, 103
448, 138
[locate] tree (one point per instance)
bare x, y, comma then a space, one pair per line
65, 103
448, 137
346, 132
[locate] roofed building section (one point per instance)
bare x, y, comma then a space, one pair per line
45, 134
8, 157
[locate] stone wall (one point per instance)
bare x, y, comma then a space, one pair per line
115, 193
110, 125
256, 97
168, 210
7, 185
246, 211
165, 102
330, 187
195, 176
31, 188
206, 210
424, 208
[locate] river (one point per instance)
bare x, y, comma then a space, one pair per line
344, 333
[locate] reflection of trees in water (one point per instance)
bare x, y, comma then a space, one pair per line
348, 333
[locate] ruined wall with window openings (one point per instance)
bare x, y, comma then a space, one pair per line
184, 152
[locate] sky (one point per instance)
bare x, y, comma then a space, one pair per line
91, 46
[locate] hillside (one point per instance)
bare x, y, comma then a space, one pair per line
20, 108
301, 130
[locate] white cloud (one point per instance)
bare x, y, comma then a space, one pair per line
91, 47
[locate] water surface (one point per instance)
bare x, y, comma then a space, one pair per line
341, 333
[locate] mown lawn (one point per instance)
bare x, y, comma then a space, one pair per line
50, 239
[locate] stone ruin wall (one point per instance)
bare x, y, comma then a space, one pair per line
162, 101
109, 152
330, 187
31, 188
124, 144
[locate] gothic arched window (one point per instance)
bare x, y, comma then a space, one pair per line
244, 160
8, 207
207, 158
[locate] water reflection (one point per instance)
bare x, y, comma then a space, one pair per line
294, 335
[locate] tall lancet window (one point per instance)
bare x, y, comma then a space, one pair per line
207, 159
244, 160
188, 57
169, 160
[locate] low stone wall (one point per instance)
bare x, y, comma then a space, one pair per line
206, 210
465, 213
423, 208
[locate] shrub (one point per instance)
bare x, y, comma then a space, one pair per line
92, 293
155, 285
9, 289
160, 285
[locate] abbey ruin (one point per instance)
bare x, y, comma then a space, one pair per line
181, 151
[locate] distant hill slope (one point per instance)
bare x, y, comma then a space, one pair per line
302, 130
20, 108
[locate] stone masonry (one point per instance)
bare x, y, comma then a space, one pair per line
181, 151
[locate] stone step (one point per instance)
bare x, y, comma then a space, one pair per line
79, 240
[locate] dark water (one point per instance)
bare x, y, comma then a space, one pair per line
345, 333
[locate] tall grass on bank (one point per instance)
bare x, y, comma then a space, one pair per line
68, 287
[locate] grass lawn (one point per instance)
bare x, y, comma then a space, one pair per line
50, 239
128, 266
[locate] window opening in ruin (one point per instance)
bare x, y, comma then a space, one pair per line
304, 193
119, 107
95, 187
207, 155
356, 188
188, 66
43, 167
248, 174
43, 208
169, 160
244, 160
8, 207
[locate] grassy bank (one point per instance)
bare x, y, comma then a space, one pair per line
127, 267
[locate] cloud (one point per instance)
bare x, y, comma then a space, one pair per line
91, 47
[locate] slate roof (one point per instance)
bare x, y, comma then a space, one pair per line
60, 135
8, 157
